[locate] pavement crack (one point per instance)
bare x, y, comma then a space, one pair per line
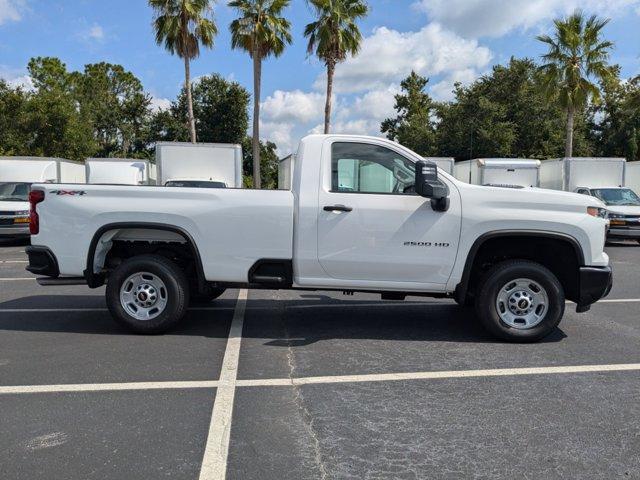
298, 398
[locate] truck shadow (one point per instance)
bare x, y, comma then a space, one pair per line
279, 323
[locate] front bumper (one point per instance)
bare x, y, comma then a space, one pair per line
595, 284
12, 231
624, 232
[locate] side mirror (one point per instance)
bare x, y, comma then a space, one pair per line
428, 186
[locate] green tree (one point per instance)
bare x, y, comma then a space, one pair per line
54, 123
614, 122
334, 35
181, 26
413, 127
14, 139
262, 31
220, 108
577, 55
268, 164
119, 108
505, 113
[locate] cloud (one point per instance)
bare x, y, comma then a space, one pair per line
93, 34
495, 18
293, 106
388, 56
16, 78
11, 10
159, 104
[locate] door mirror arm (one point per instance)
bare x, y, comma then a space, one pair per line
429, 186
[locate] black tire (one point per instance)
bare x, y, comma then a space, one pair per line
177, 294
499, 276
207, 296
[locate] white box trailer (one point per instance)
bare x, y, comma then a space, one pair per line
40, 170
118, 171
499, 171
444, 163
205, 162
570, 173
285, 172
632, 176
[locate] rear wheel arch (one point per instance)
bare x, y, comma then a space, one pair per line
560, 253
95, 280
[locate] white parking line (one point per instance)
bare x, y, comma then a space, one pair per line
17, 279
394, 377
107, 387
218, 440
214, 461
14, 261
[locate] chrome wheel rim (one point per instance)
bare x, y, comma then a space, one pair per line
522, 304
143, 296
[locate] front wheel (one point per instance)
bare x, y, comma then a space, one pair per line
147, 294
520, 301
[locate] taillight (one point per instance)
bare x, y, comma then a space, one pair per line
35, 197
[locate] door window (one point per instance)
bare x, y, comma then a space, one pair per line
365, 168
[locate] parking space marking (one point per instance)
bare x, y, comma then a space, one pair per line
218, 439
14, 261
106, 387
17, 279
214, 461
89, 310
394, 377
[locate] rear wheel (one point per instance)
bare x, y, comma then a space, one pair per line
147, 294
520, 301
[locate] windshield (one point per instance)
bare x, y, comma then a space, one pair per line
195, 184
14, 192
617, 196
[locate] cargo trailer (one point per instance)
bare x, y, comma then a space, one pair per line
632, 176
569, 174
199, 164
444, 163
499, 171
118, 171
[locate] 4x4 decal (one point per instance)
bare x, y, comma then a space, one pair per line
72, 193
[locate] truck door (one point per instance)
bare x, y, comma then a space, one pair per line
371, 224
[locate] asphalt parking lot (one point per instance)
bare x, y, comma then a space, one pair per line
295, 385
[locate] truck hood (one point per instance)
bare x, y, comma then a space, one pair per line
624, 209
14, 206
526, 198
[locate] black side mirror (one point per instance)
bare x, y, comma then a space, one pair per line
428, 186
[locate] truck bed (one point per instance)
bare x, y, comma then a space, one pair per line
252, 224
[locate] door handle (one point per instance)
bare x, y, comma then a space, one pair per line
337, 208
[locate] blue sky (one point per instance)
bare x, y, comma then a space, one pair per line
446, 40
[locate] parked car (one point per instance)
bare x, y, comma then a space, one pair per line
16, 176
364, 214
623, 210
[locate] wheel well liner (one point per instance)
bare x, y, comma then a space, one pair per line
96, 280
463, 287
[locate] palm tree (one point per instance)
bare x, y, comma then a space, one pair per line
577, 58
181, 26
333, 36
261, 30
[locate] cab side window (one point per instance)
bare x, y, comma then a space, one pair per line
364, 168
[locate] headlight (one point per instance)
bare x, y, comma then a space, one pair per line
597, 212
615, 215
23, 213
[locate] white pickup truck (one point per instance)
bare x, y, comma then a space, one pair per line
364, 215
